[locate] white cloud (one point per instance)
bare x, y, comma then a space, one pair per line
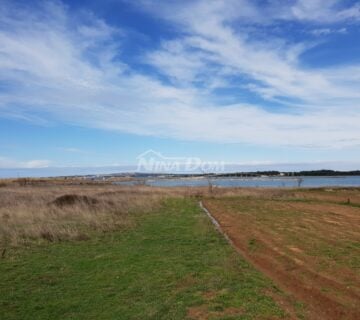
313, 11
35, 164
7, 163
72, 71
249, 12
328, 31
273, 63
324, 11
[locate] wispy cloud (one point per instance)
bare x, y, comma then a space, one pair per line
7, 163
66, 68
324, 11
327, 31
252, 12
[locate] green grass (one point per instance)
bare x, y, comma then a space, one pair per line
172, 260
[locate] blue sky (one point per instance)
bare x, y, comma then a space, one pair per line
96, 83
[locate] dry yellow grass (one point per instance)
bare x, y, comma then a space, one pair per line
56, 212
36, 209
72, 209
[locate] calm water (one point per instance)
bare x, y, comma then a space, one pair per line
309, 182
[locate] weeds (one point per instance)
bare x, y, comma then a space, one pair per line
57, 213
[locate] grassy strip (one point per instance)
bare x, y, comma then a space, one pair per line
172, 265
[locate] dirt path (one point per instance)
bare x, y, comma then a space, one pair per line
324, 296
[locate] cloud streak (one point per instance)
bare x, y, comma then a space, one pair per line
6, 163
71, 69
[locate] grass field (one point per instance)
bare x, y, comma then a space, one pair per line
71, 251
166, 263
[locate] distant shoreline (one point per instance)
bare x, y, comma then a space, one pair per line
25, 173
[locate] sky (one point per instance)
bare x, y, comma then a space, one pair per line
94, 84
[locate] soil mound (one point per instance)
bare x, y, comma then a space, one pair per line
72, 199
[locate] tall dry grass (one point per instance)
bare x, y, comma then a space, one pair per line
55, 211
66, 212
49, 210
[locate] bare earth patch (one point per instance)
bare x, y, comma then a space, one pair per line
309, 247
